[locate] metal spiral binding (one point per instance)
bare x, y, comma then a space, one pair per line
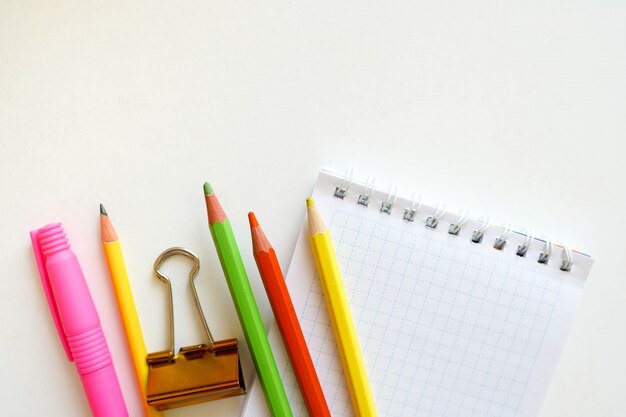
432, 221
500, 241
386, 206
477, 235
455, 227
523, 247
544, 255
364, 197
342, 189
410, 212
566, 262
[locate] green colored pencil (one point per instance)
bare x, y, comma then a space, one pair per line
246, 306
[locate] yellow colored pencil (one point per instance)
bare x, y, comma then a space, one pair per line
339, 312
126, 305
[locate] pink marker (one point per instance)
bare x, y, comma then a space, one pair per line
77, 320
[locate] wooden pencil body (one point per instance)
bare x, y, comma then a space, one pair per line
291, 333
343, 325
130, 320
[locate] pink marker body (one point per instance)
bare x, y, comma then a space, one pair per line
77, 320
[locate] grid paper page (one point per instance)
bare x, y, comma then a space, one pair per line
448, 328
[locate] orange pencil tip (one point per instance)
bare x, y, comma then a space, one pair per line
253, 221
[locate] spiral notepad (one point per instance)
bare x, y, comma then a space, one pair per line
456, 317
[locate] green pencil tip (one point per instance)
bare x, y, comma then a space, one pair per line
103, 210
207, 189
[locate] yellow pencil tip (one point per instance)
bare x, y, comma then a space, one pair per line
310, 202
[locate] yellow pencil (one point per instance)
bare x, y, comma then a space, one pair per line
339, 312
126, 305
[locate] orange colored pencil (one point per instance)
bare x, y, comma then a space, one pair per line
288, 323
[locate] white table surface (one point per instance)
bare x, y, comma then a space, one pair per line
514, 111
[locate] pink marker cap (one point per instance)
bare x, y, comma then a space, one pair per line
47, 289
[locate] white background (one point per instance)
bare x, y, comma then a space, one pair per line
512, 110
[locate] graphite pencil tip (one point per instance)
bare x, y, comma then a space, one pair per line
107, 231
208, 190
253, 221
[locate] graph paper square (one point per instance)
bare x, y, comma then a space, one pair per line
447, 327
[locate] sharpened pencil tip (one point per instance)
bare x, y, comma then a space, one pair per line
207, 189
253, 221
310, 202
103, 210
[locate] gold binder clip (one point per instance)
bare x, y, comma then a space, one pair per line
197, 373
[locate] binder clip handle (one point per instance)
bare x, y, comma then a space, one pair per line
168, 253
